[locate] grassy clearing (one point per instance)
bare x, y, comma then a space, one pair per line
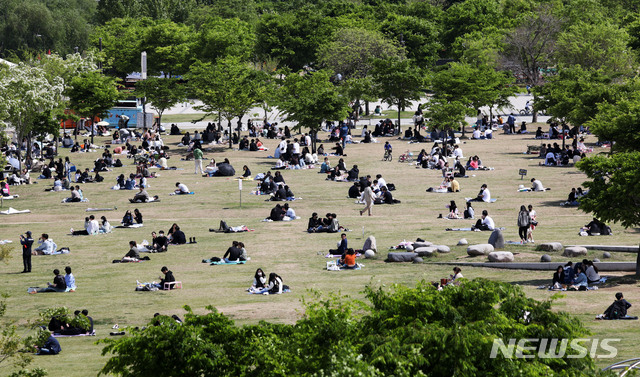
107, 290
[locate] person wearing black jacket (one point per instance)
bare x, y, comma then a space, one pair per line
26, 243
233, 253
277, 214
354, 190
168, 277
314, 223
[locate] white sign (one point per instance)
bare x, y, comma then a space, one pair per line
240, 184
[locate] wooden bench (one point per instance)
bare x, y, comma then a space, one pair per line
172, 285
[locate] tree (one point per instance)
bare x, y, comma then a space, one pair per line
530, 46
420, 36
309, 99
92, 94
169, 47
397, 82
229, 88
599, 47
162, 93
25, 95
613, 192
398, 332
480, 48
121, 44
473, 86
224, 37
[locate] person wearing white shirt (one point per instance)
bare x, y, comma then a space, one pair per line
93, 227
485, 223
307, 140
483, 196
47, 246
290, 213
296, 147
536, 185
457, 152
476, 134
381, 181
181, 189
488, 133
69, 279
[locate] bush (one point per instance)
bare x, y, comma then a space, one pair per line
403, 332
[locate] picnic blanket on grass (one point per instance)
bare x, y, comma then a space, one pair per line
334, 266
189, 193
469, 229
69, 336
130, 226
10, 197
490, 201
219, 262
13, 211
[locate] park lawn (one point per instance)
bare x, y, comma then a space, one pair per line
107, 290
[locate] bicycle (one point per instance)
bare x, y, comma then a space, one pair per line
388, 156
406, 157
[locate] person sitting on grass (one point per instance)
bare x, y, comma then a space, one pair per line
91, 227
259, 281
159, 243
181, 189
314, 223
348, 260
69, 279
127, 219
58, 284
137, 216
558, 278
483, 196
233, 253
141, 197
277, 213
580, 282
47, 246
485, 223
50, 347
617, 310
133, 254
469, 212
105, 226
176, 236
275, 285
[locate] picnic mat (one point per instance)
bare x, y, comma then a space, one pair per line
13, 211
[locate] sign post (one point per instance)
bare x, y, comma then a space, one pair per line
522, 173
240, 189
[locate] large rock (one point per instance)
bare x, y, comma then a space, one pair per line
496, 239
369, 254
545, 258
574, 251
422, 244
425, 251
550, 246
417, 260
408, 247
370, 244
596, 260
481, 249
442, 248
606, 255
463, 242
501, 256
401, 257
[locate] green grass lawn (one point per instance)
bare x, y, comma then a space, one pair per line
107, 290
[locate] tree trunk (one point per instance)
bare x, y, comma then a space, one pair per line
366, 108
240, 125
28, 154
399, 109
313, 134
534, 117
230, 134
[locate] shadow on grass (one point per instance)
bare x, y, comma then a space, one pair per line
534, 282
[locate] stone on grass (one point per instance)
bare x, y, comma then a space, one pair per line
369, 254
550, 246
370, 244
417, 260
574, 251
501, 256
408, 247
463, 242
606, 255
596, 260
480, 249
545, 258
425, 251
422, 244
401, 257
442, 248
496, 239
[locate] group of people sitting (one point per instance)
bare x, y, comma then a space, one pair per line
574, 197
454, 212
329, 224
556, 156
76, 195
596, 228
60, 283
575, 278
130, 219
282, 213
295, 155
275, 186
92, 227
347, 255
220, 169
252, 145
262, 285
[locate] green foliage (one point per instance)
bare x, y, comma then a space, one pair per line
169, 47
229, 87
480, 47
444, 114
310, 98
64, 315
173, 10
162, 93
92, 94
351, 51
14, 351
420, 37
574, 93
219, 37
403, 332
6, 251
39, 25
614, 187
397, 82
468, 16
595, 46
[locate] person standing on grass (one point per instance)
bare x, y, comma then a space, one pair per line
524, 221
532, 226
368, 198
197, 157
26, 243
